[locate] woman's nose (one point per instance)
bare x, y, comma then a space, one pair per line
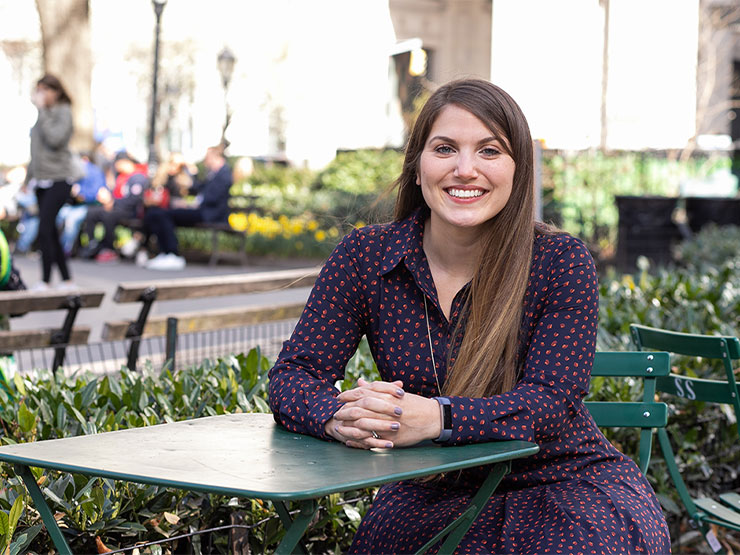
465, 166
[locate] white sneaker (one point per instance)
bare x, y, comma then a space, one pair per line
129, 248
67, 285
169, 261
40, 286
141, 258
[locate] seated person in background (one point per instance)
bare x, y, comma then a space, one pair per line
125, 202
179, 179
84, 195
211, 205
170, 184
28, 208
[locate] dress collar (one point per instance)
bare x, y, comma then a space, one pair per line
406, 243
405, 246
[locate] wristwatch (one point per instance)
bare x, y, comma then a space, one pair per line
445, 408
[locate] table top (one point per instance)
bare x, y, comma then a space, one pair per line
248, 455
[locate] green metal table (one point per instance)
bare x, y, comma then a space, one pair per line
248, 455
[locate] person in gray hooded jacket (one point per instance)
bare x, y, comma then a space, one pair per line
51, 171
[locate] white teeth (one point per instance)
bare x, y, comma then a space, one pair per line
465, 193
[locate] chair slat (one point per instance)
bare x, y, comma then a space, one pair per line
717, 510
631, 363
684, 343
628, 414
696, 389
731, 499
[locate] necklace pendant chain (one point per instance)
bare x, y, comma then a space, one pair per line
431, 350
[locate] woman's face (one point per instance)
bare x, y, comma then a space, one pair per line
48, 96
465, 175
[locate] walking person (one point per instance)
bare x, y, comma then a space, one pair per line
51, 172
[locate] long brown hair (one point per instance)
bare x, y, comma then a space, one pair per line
486, 363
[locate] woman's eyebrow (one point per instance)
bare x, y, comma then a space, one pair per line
444, 139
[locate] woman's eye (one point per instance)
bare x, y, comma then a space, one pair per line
444, 149
490, 151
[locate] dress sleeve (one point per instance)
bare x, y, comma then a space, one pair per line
302, 393
557, 364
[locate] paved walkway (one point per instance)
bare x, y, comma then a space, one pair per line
91, 275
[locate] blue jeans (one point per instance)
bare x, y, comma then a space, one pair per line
70, 219
28, 229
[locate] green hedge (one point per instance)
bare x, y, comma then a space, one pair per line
42, 406
702, 295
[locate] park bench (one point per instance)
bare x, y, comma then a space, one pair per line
681, 387
146, 292
237, 203
58, 338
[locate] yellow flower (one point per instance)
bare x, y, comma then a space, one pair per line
238, 221
333, 232
312, 225
320, 235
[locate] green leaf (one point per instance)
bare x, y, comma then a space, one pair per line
24, 540
89, 394
78, 415
19, 385
3, 524
15, 514
26, 418
351, 513
133, 526
61, 419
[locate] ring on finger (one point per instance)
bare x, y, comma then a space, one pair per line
375, 434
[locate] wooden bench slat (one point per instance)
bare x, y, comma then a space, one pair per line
15, 340
188, 322
193, 288
15, 302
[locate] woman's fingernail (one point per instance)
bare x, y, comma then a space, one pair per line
400, 392
336, 429
388, 445
395, 426
398, 411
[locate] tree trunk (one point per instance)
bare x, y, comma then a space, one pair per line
65, 36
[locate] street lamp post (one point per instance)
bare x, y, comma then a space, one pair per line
158, 6
226, 61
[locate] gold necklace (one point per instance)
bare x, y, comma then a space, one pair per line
431, 350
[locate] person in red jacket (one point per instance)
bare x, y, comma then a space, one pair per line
124, 202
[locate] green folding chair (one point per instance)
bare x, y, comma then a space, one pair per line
647, 414
702, 511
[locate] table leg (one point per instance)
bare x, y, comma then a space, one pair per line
43, 508
460, 526
294, 529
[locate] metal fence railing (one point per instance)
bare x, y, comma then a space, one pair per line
191, 349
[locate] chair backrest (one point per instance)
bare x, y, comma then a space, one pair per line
647, 414
704, 512
716, 347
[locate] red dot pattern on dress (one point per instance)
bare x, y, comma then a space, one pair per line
579, 494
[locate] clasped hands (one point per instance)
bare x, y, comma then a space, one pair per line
398, 418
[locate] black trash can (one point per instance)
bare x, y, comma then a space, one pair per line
701, 211
645, 228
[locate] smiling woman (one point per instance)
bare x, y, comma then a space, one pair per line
482, 323
464, 173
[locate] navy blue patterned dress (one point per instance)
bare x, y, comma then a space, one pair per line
577, 495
